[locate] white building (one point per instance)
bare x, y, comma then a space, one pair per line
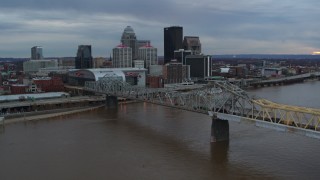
141, 43
149, 54
122, 57
138, 63
33, 66
133, 76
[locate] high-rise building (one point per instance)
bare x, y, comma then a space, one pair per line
129, 39
122, 56
172, 41
175, 72
192, 43
141, 43
36, 53
84, 57
149, 55
181, 54
200, 66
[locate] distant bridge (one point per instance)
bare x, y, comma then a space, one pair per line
221, 100
284, 80
276, 81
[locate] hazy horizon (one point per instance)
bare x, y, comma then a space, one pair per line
221, 55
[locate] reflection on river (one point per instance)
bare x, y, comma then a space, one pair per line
145, 141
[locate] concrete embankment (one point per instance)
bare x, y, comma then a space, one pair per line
40, 115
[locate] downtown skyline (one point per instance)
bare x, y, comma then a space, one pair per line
224, 27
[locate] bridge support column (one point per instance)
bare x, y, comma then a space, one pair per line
219, 152
219, 130
112, 102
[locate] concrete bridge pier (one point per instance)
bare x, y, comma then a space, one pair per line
219, 130
219, 152
112, 102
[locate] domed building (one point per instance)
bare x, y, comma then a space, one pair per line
129, 39
133, 76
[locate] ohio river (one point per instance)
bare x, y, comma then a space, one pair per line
145, 141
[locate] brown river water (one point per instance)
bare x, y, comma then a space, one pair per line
146, 141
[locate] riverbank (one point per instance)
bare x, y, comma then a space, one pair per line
33, 116
42, 115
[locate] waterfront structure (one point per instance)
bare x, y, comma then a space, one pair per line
155, 81
129, 39
149, 55
37, 85
193, 44
36, 53
181, 54
18, 88
133, 76
49, 84
32, 95
122, 56
84, 57
200, 66
33, 66
172, 41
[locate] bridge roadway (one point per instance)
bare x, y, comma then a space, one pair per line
276, 81
223, 101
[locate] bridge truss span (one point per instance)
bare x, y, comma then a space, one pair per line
220, 99
300, 117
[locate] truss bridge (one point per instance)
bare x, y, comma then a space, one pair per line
221, 100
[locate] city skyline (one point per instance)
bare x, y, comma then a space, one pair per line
224, 27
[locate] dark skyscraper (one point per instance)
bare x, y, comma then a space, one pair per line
172, 41
84, 57
200, 66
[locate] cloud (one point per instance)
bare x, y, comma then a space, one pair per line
265, 26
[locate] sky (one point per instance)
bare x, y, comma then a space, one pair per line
224, 26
